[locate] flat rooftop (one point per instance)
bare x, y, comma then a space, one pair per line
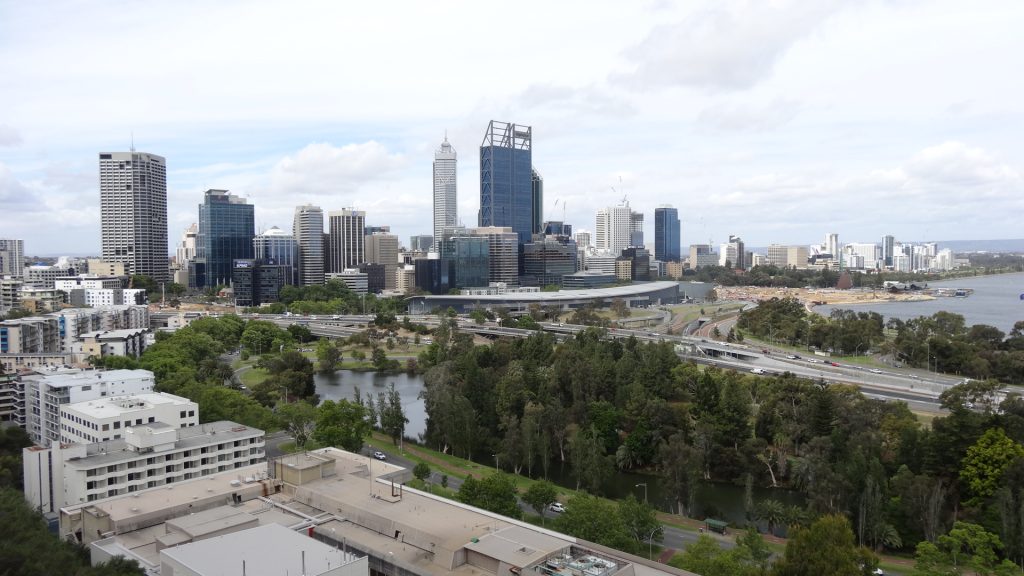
113, 334
112, 406
269, 550
70, 379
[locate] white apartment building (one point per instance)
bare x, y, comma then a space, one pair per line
12, 257
405, 279
612, 230
603, 263
91, 282
114, 296
128, 342
12, 400
73, 322
45, 394
796, 256
868, 252
354, 280
108, 418
150, 455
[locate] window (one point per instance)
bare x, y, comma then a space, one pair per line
139, 421
182, 414
191, 413
117, 425
152, 419
106, 427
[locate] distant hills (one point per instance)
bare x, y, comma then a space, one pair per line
1009, 245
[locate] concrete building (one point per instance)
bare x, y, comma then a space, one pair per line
73, 322
612, 229
46, 276
352, 278
733, 254
129, 342
10, 293
108, 417
623, 269
308, 231
831, 244
46, 393
107, 297
796, 256
405, 279
503, 253
97, 267
347, 239
547, 259
583, 238
89, 281
867, 253
12, 400
421, 242
32, 334
603, 263
587, 280
445, 194
701, 255
382, 248
776, 255
42, 300
674, 270
12, 257
150, 454
133, 212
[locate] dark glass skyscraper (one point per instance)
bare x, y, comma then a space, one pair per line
666, 234
506, 179
537, 201
226, 228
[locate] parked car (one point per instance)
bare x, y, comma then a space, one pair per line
380, 455
557, 507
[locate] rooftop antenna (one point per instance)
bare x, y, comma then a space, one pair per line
133, 141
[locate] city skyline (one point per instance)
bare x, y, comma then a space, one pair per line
810, 123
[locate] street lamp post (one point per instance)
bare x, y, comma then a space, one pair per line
650, 543
496, 461
644, 484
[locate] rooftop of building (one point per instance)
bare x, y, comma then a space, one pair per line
118, 405
271, 549
542, 297
113, 334
72, 378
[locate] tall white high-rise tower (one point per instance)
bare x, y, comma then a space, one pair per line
308, 230
133, 212
614, 225
445, 190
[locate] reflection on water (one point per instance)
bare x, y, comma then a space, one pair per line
342, 385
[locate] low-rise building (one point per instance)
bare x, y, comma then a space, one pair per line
150, 455
88, 282
130, 342
46, 393
32, 334
109, 417
41, 300
12, 400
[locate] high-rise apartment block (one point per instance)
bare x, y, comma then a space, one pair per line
12, 257
613, 227
666, 234
226, 228
347, 239
445, 191
133, 212
506, 179
831, 245
888, 245
308, 231
733, 254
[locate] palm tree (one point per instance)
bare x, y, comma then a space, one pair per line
772, 512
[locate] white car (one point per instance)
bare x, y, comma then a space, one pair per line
380, 455
557, 507
757, 370
875, 371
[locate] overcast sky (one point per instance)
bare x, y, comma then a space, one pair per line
776, 121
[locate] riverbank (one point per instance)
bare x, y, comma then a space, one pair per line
811, 297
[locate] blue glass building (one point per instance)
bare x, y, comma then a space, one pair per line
227, 226
506, 179
666, 234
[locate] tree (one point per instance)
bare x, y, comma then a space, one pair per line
495, 492
711, 297
421, 471
328, 356
640, 520
298, 418
540, 495
707, 558
342, 424
755, 549
970, 545
596, 520
987, 460
392, 415
825, 547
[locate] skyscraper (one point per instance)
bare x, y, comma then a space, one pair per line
133, 212
277, 247
666, 234
613, 228
382, 249
831, 245
445, 189
308, 230
888, 244
636, 229
506, 178
226, 228
12, 257
347, 239
537, 201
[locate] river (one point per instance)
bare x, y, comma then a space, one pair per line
996, 301
723, 501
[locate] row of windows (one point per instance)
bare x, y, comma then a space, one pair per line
136, 476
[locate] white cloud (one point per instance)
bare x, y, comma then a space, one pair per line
325, 170
740, 117
9, 136
724, 45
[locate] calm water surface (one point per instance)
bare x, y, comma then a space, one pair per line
995, 301
342, 385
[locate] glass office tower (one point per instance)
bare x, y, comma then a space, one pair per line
227, 226
506, 178
666, 234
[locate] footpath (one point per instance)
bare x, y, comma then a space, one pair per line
445, 467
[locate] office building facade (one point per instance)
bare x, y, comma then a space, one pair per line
506, 179
133, 212
227, 226
445, 191
471, 261
382, 248
537, 201
547, 260
612, 232
346, 239
308, 231
257, 282
667, 234
276, 247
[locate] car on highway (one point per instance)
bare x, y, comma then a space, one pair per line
875, 371
836, 364
557, 507
380, 455
757, 370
